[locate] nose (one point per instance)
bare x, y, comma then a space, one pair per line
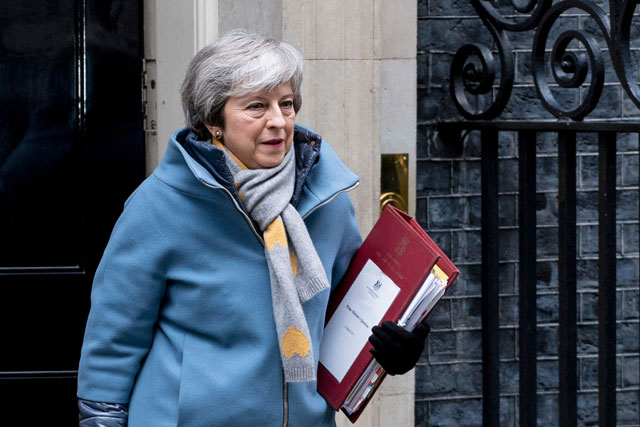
275, 119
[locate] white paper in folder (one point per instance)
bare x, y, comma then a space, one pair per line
363, 307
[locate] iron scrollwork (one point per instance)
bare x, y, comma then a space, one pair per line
473, 69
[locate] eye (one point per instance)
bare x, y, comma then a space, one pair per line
254, 106
287, 104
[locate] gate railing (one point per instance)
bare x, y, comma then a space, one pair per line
474, 75
568, 376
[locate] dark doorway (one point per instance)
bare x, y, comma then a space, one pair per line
71, 151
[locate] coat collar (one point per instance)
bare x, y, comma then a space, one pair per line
196, 167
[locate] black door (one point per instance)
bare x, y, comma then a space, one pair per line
71, 151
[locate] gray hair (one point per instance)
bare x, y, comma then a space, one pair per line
236, 64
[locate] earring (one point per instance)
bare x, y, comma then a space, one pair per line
217, 134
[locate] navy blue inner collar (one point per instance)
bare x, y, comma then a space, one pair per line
307, 146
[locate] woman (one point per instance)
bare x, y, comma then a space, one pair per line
209, 303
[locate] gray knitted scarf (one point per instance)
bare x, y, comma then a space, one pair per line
295, 270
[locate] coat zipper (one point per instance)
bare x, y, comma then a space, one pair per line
246, 217
330, 199
285, 400
285, 397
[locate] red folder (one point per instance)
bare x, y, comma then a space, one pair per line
406, 254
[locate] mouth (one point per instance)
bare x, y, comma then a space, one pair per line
274, 142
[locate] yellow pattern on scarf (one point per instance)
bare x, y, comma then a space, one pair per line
221, 146
294, 341
294, 263
275, 235
237, 184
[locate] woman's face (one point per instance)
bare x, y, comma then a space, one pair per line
258, 127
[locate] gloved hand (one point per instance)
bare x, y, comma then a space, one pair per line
396, 349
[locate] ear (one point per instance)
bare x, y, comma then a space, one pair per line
212, 129
215, 131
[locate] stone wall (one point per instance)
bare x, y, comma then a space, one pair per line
449, 376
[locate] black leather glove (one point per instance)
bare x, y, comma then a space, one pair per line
396, 349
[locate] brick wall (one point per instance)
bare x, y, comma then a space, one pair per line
449, 376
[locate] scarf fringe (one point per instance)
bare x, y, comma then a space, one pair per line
299, 374
314, 286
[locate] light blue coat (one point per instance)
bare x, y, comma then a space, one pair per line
181, 324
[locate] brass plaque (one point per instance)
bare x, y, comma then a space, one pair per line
394, 181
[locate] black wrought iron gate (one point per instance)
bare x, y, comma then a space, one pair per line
566, 136
480, 86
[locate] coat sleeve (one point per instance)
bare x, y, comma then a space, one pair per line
351, 242
125, 301
100, 414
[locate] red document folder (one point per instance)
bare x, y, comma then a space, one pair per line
406, 254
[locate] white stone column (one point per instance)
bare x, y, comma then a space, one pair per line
341, 91
173, 32
396, 43
396, 40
